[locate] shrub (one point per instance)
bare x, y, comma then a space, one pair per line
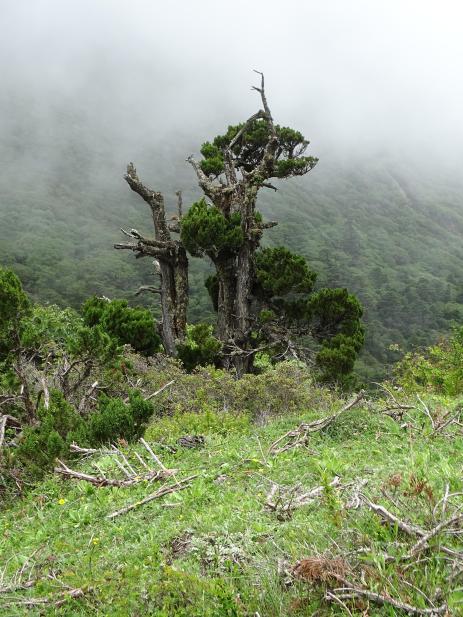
115, 419
58, 426
200, 347
129, 326
438, 369
47, 326
284, 388
61, 424
14, 306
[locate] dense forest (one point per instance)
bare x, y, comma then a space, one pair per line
388, 230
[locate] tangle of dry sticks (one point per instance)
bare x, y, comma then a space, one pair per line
299, 436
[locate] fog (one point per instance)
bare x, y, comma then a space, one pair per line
357, 78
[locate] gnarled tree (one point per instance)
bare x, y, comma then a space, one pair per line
171, 262
264, 298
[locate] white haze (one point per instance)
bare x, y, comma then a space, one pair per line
362, 77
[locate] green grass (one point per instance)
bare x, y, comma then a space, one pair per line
215, 549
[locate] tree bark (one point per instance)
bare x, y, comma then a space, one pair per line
244, 282
226, 274
171, 263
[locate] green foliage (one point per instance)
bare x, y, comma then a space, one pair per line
57, 427
206, 230
338, 312
132, 326
336, 317
93, 343
200, 346
250, 147
60, 425
14, 306
295, 167
49, 326
284, 285
212, 165
115, 419
280, 272
438, 369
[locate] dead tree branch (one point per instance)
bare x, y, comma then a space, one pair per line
299, 436
103, 481
352, 593
413, 530
164, 490
283, 502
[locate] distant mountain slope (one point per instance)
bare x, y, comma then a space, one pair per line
390, 233
392, 236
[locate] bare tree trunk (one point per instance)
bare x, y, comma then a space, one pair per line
171, 263
226, 299
245, 275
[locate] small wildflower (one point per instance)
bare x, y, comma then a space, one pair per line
95, 541
62, 501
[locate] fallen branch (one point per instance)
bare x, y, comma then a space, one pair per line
55, 601
413, 530
155, 458
392, 519
447, 420
353, 593
164, 490
88, 451
299, 436
293, 501
331, 597
102, 480
423, 541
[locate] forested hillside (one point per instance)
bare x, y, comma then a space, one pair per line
390, 232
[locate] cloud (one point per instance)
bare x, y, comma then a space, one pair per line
359, 75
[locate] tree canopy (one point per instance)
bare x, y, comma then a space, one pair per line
265, 298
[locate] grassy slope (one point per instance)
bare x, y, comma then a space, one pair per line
214, 549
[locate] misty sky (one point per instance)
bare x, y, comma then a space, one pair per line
351, 74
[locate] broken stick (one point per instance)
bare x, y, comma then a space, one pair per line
164, 490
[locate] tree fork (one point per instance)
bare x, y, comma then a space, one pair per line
172, 259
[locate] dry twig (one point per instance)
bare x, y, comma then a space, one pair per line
55, 600
414, 530
164, 490
299, 436
352, 593
103, 481
287, 500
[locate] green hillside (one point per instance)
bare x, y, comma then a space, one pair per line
249, 525
389, 232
